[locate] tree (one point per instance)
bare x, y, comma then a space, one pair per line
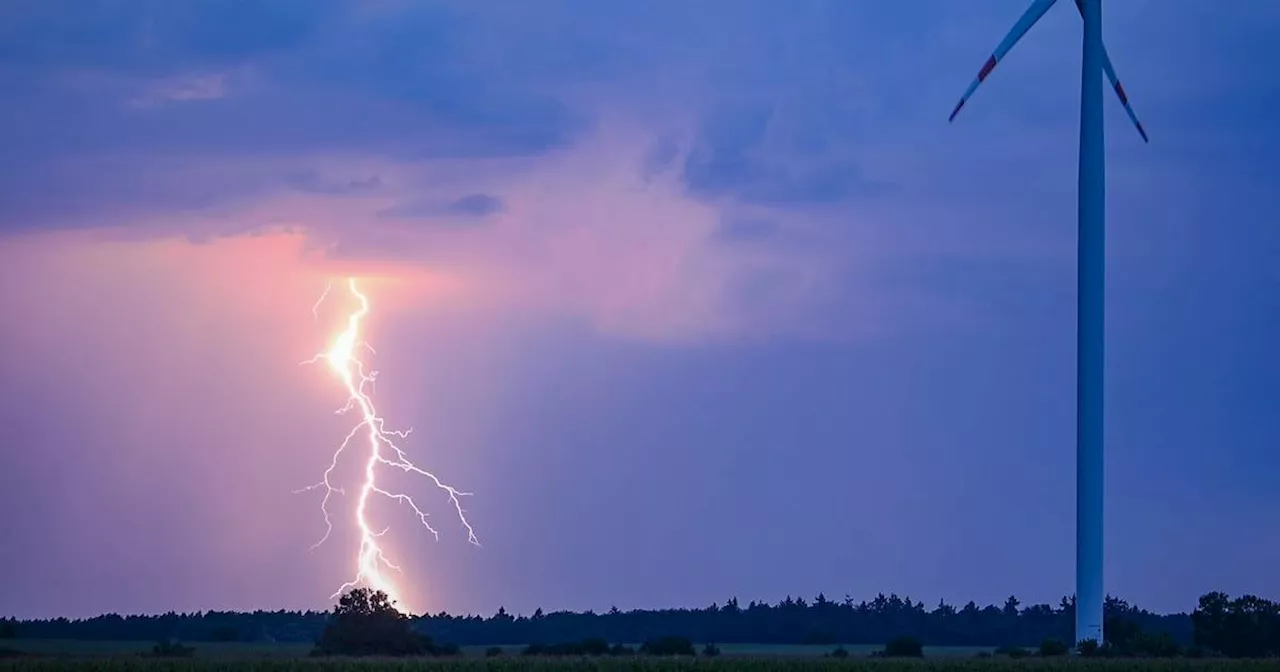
365, 623
594, 646
591, 646
8, 628
168, 648
903, 647
1052, 647
1089, 648
1010, 607
668, 646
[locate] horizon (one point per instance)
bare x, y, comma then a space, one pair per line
601, 612
695, 298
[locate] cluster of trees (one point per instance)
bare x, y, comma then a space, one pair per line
598, 646
365, 623
1245, 626
800, 621
8, 630
209, 626
172, 649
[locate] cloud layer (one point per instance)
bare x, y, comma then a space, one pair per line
727, 246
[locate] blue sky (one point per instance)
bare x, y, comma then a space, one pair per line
703, 299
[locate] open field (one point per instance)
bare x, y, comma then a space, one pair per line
101, 649
55, 655
744, 664
78, 648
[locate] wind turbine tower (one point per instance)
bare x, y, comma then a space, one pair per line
1090, 278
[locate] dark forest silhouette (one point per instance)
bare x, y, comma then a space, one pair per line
1246, 625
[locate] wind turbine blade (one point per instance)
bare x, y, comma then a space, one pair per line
1115, 84
1029, 18
1124, 98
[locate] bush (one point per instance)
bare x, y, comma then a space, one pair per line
1159, 646
620, 650
1089, 648
1011, 652
493, 652
820, 637
172, 649
668, 646
592, 646
839, 652
1125, 637
1053, 647
711, 650
903, 647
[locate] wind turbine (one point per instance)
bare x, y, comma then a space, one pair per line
1090, 277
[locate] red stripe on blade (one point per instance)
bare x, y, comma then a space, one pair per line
1120, 92
987, 68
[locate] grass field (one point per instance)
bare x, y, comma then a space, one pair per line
743, 664
98, 649
55, 655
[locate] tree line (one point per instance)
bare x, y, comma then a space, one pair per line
1246, 625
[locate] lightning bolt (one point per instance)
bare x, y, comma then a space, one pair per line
383, 451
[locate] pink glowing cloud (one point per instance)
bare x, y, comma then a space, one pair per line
582, 233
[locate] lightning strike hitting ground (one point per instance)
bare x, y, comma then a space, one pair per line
344, 362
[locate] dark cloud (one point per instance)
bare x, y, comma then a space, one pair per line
112, 191
772, 153
469, 208
742, 229
661, 156
775, 105
418, 81
154, 36
275, 78
312, 183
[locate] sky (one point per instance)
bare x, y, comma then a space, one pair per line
699, 299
